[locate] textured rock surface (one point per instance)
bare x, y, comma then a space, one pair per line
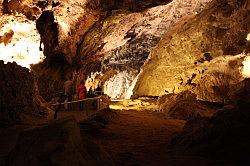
25, 7
130, 36
70, 21
130, 5
58, 143
92, 39
221, 137
50, 80
123, 40
17, 94
184, 106
195, 47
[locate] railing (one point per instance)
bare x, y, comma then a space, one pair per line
98, 98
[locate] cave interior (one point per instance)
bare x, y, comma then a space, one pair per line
124, 82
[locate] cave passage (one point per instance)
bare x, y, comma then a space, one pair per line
128, 82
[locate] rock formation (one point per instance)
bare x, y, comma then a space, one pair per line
123, 40
223, 137
192, 49
24, 7
184, 106
18, 95
58, 143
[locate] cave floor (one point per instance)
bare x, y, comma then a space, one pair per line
141, 138
130, 138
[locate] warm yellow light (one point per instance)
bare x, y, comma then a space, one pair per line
24, 45
246, 67
248, 37
120, 85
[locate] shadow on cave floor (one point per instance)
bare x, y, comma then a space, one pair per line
141, 138
131, 138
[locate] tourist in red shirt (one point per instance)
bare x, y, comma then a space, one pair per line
82, 93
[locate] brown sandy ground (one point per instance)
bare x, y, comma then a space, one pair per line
139, 137
131, 138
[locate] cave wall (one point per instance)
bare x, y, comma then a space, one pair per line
21, 6
126, 35
99, 39
129, 5
61, 30
197, 47
17, 94
181, 42
122, 41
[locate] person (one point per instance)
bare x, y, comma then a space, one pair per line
61, 99
98, 90
82, 94
68, 91
91, 93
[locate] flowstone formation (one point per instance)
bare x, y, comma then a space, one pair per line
195, 53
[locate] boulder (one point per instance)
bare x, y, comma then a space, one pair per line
184, 106
97, 121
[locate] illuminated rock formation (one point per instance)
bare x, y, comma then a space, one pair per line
21, 46
174, 45
196, 48
123, 40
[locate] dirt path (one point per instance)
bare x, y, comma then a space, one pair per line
139, 138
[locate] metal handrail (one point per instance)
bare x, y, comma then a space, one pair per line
76, 101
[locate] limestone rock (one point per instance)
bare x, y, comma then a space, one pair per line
184, 106
222, 137
122, 41
219, 137
24, 7
18, 95
196, 46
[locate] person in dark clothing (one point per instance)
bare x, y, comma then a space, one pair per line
61, 100
98, 90
90, 93
68, 90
